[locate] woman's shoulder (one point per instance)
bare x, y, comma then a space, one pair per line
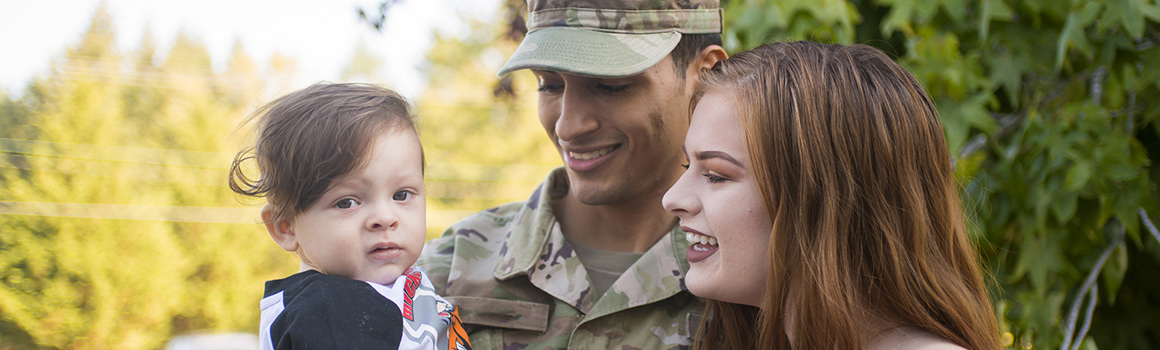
911, 338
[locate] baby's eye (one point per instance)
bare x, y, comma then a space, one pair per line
402, 196
345, 203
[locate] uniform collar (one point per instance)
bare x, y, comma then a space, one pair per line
531, 227
536, 247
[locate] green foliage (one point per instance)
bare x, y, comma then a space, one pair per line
104, 165
1054, 104
484, 144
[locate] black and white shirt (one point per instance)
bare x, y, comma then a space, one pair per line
312, 310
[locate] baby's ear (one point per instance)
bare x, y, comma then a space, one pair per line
280, 230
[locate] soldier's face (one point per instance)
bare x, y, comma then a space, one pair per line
720, 208
620, 139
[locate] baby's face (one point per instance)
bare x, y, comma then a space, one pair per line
371, 224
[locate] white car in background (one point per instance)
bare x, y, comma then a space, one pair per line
213, 341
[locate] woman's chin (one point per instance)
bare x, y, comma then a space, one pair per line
701, 283
714, 285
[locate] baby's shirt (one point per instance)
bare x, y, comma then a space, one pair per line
312, 310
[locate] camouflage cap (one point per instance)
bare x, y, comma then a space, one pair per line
608, 38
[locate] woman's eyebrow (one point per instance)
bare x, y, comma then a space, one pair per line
717, 154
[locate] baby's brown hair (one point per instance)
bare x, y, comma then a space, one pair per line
309, 138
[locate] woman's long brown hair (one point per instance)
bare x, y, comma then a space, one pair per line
849, 155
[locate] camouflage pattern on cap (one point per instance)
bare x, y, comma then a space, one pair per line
632, 17
608, 38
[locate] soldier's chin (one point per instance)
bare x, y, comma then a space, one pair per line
598, 196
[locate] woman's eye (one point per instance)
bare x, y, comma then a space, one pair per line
402, 196
713, 177
345, 203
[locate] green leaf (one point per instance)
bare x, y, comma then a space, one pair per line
1149, 10
1041, 204
1128, 75
955, 9
1061, 46
899, 18
1089, 343
1008, 71
1113, 273
1126, 13
1064, 208
1072, 35
992, 10
1041, 260
1077, 177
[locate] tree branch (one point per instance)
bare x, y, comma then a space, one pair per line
1088, 284
1097, 89
1148, 223
1007, 124
1093, 297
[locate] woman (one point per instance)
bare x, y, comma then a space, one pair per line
822, 208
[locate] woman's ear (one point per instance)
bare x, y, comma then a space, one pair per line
280, 230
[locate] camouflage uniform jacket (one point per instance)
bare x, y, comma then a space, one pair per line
518, 284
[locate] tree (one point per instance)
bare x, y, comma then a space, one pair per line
364, 65
118, 228
483, 141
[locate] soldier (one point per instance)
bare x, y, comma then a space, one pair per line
591, 260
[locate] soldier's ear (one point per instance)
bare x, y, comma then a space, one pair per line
709, 56
280, 229
706, 59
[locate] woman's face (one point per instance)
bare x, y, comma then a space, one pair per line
720, 207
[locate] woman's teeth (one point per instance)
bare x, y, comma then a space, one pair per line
700, 238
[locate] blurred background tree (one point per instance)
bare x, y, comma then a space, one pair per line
485, 145
118, 228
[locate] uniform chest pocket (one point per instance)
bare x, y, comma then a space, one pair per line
501, 313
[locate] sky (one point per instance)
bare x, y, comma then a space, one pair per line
321, 35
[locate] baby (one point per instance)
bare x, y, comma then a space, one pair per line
341, 168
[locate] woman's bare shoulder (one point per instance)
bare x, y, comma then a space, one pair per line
911, 338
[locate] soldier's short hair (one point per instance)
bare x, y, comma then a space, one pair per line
688, 48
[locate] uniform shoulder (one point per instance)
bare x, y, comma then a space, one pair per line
484, 226
471, 243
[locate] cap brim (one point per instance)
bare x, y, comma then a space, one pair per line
590, 53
